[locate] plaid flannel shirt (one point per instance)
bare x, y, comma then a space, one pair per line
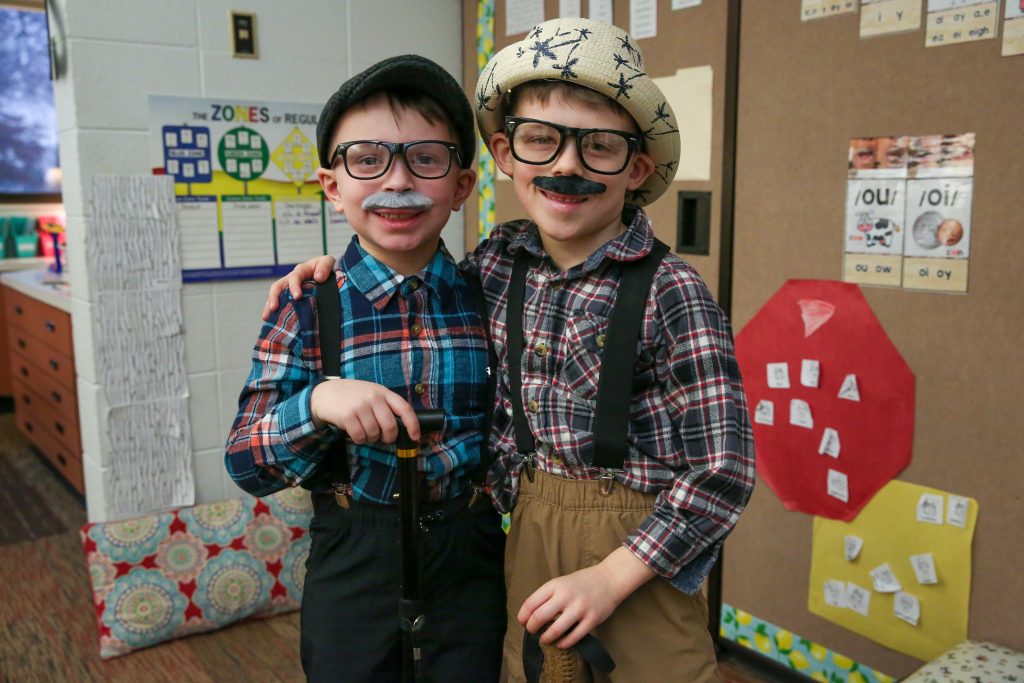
420, 336
689, 436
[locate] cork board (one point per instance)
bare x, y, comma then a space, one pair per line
805, 89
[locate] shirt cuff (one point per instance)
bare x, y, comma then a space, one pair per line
670, 553
690, 578
299, 433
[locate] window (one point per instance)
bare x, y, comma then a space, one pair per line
28, 121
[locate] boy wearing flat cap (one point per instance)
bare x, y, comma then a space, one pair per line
396, 145
624, 450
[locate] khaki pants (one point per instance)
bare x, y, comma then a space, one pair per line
562, 525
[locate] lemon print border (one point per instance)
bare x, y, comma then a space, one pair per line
808, 658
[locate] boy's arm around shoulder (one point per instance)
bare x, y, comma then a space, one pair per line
274, 441
713, 462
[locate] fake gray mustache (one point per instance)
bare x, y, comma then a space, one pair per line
569, 185
409, 199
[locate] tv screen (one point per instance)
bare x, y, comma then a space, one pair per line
28, 121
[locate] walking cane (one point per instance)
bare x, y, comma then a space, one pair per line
410, 607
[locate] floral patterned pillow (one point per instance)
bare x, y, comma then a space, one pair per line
971, 662
196, 569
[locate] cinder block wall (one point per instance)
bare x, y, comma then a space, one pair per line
118, 53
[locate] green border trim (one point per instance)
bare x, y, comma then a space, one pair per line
801, 655
485, 163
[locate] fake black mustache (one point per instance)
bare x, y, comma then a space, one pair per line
569, 185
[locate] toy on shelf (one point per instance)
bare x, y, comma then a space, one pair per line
49, 225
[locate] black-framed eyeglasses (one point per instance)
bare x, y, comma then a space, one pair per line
602, 150
369, 159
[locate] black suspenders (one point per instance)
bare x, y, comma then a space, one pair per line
611, 419
328, 319
328, 309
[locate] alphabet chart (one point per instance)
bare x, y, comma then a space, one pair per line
908, 211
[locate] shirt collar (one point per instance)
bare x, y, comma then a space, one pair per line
379, 283
634, 243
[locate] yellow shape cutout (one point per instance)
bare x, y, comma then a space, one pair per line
891, 533
295, 156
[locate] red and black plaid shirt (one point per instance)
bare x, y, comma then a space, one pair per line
689, 434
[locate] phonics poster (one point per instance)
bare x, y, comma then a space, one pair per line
908, 211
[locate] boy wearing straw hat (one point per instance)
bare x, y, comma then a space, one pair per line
617, 551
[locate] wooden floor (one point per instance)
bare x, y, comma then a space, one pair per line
47, 626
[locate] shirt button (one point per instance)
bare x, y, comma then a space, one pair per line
555, 458
541, 348
416, 329
533, 406
414, 284
419, 388
600, 341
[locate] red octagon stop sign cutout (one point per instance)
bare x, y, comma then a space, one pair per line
854, 430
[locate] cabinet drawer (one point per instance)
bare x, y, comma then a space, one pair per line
43, 414
49, 324
67, 461
36, 361
61, 401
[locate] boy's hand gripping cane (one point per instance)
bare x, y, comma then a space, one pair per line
410, 607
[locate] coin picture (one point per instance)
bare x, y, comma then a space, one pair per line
950, 232
926, 228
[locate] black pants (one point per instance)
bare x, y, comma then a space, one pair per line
351, 630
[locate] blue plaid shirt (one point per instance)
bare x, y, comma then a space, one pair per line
420, 336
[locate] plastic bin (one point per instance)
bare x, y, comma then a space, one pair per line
22, 238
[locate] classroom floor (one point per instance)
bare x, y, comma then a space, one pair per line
47, 629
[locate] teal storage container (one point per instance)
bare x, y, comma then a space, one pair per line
22, 237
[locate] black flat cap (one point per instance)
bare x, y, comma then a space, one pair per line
406, 72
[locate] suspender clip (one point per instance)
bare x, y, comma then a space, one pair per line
342, 493
528, 466
478, 493
606, 482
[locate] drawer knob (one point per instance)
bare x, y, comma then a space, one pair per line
26, 399
55, 395
63, 460
53, 364
24, 371
17, 309
28, 426
21, 343
59, 427
50, 326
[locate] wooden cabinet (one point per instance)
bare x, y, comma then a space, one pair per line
43, 381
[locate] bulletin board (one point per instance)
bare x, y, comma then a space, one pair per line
688, 38
805, 90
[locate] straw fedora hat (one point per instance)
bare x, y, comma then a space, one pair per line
598, 56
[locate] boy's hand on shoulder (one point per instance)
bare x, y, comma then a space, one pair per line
572, 605
365, 411
317, 269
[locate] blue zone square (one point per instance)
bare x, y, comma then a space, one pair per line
187, 154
